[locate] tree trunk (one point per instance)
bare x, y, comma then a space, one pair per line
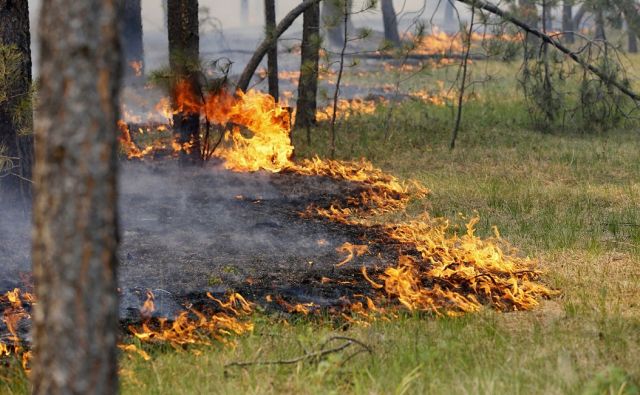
530, 17
184, 54
272, 55
75, 227
244, 11
131, 41
309, 61
391, 22
632, 41
567, 21
600, 33
16, 117
448, 12
332, 17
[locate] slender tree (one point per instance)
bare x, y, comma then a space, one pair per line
16, 119
632, 39
600, 32
75, 227
184, 53
567, 21
132, 44
448, 12
272, 55
390, 22
309, 61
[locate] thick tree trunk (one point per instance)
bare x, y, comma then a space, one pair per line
309, 61
132, 44
272, 55
567, 21
16, 118
391, 22
184, 54
75, 228
332, 18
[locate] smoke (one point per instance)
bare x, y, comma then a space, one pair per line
15, 247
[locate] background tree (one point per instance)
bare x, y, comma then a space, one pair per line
567, 21
184, 54
16, 119
272, 55
332, 17
390, 22
75, 232
131, 39
309, 61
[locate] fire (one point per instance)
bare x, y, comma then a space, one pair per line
136, 66
12, 316
439, 42
347, 108
192, 326
352, 250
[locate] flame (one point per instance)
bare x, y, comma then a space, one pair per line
136, 66
351, 250
12, 316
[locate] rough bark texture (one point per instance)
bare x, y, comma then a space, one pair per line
391, 22
272, 55
309, 60
184, 53
75, 229
567, 21
263, 48
132, 44
16, 139
332, 18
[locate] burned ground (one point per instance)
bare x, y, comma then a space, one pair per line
186, 231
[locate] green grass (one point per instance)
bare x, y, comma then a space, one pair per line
570, 199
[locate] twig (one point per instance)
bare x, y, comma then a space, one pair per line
336, 93
465, 63
314, 356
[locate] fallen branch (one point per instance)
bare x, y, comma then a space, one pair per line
314, 356
269, 41
546, 38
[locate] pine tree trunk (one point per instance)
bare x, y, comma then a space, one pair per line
332, 18
184, 53
16, 117
75, 227
272, 55
567, 21
309, 61
131, 41
390, 22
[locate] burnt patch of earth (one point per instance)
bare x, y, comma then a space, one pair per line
189, 231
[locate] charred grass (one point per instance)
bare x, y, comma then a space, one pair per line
570, 199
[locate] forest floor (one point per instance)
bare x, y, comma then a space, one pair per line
569, 198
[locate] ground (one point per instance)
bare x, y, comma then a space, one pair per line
568, 198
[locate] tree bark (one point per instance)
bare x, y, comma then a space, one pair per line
309, 61
332, 17
567, 21
16, 117
390, 22
75, 227
258, 54
131, 39
272, 55
184, 54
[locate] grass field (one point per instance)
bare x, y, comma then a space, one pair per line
570, 199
